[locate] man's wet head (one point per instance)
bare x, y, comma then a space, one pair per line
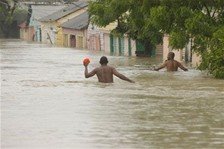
103, 60
170, 56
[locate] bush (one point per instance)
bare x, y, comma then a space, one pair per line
213, 59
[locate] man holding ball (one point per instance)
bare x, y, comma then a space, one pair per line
104, 72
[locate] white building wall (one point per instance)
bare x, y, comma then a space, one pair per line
106, 45
133, 48
48, 32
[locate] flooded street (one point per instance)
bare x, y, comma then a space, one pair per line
46, 103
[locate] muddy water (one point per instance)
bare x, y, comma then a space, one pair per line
47, 103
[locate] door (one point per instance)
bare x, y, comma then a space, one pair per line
80, 42
65, 40
40, 35
72, 41
111, 44
121, 45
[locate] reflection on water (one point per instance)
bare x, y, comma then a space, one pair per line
47, 103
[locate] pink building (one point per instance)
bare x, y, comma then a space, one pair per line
94, 38
26, 32
75, 31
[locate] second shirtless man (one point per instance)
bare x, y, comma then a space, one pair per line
171, 64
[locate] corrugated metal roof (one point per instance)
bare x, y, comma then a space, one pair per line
79, 22
40, 11
65, 11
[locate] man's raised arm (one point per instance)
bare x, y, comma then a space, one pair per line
92, 73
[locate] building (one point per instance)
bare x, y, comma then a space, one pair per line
30, 30
116, 45
94, 38
51, 24
75, 31
26, 32
37, 12
112, 44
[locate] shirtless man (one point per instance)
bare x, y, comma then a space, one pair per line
104, 72
171, 64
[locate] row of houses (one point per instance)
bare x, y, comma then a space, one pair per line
70, 26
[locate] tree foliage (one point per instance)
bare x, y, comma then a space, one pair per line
7, 9
213, 59
200, 21
130, 18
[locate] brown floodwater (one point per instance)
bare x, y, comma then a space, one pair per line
47, 103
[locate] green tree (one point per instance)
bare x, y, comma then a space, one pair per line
200, 21
130, 18
7, 9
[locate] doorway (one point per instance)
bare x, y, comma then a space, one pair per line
73, 41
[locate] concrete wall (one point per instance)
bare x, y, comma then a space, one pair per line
95, 39
81, 36
103, 33
106, 45
48, 32
27, 33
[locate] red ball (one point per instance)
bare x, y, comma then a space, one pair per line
86, 61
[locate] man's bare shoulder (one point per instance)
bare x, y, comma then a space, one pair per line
177, 62
111, 67
96, 69
171, 61
107, 67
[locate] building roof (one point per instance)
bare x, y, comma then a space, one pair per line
79, 22
65, 11
40, 11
